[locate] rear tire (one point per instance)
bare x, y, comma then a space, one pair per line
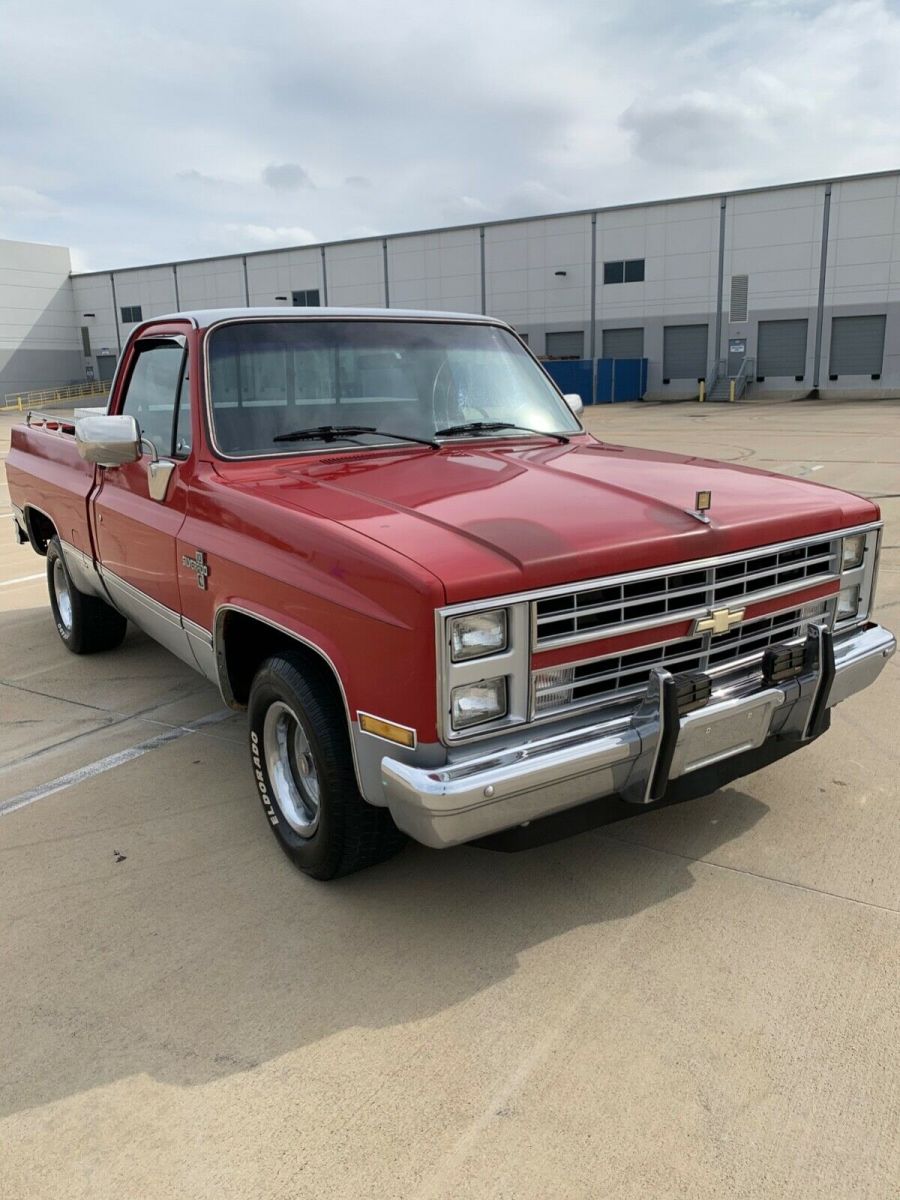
303, 772
86, 624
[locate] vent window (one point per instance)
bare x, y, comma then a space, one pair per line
740, 288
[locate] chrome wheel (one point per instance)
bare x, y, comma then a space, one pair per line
62, 594
291, 768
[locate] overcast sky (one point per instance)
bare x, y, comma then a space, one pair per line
147, 133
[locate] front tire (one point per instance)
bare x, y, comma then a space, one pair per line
303, 771
86, 624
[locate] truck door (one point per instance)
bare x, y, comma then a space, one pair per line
139, 507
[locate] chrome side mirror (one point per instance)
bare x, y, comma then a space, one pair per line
108, 441
574, 402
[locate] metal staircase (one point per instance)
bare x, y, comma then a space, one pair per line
722, 388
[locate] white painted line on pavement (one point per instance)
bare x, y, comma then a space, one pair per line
106, 764
23, 579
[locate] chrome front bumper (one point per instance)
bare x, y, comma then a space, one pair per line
634, 757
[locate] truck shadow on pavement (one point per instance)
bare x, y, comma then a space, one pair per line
214, 963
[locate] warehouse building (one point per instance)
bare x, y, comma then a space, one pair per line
784, 289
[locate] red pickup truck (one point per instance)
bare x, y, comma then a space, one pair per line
448, 609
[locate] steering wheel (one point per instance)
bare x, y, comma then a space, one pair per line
449, 401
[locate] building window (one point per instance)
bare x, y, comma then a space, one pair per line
86, 341
131, 313
629, 270
306, 299
565, 344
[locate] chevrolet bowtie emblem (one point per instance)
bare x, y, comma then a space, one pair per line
720, 620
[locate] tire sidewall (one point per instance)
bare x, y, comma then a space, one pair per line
69, 637
310, 853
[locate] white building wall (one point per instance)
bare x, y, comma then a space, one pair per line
39, 340
678, 242
215, 283
775, 239
863, 275
282, 272
537, 275
94, 310
356, 274
440, 271
521, 281
152, 288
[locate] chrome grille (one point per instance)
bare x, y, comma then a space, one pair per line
654, 598
620, 678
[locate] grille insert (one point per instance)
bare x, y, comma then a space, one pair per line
624, 677
586, 612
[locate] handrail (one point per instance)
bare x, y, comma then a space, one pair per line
743, 378
718, 370
22, 401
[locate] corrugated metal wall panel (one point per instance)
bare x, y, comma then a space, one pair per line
781, 347
565, 344
684, 351
623, 343
857, 345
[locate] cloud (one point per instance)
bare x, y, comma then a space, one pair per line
269, 235
286, 177
408, 117
18, 201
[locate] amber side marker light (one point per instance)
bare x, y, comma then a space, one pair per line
400, 734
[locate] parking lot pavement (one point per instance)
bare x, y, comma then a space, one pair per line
699, 1002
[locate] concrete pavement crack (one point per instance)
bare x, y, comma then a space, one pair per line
709, 862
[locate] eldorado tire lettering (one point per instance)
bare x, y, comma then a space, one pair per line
261, 779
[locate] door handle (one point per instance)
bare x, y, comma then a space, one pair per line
159, 472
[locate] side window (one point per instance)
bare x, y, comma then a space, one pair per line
152, 391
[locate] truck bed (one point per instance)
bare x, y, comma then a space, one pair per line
46, 473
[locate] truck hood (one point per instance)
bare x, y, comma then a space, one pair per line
506, 517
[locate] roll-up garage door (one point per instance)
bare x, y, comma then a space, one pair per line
623, 343
781, 348
857, 345
684, 351
565, 344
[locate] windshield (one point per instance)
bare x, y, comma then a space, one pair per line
270, 378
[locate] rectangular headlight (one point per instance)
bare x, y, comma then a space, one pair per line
853, 549
478, 635
476, 703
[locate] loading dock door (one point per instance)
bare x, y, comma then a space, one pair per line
684, 351
106, 367
623, 343
781, 348
857, 345
568, 344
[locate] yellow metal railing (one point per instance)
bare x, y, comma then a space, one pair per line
22, 401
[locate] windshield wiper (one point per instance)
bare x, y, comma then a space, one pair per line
331, 433
495, 427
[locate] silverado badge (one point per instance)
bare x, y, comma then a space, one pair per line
720, 620
198, 564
